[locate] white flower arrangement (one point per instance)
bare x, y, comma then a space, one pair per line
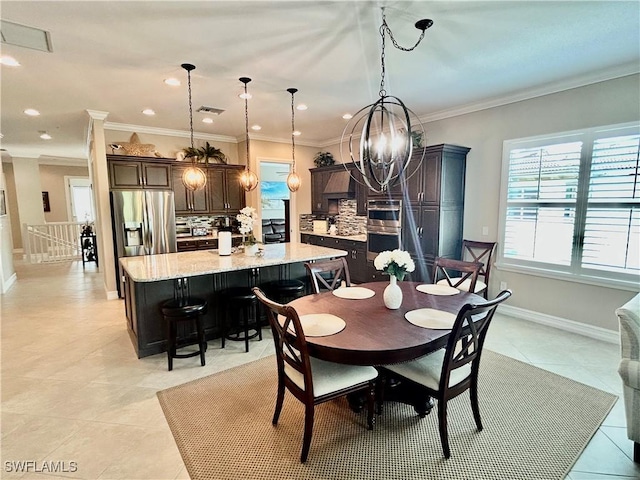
248, 218
396, 263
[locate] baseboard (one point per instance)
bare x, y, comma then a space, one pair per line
9, 283
112, 295
598, 333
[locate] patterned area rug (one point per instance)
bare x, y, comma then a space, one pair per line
536, 424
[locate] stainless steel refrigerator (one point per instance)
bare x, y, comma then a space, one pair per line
144, 223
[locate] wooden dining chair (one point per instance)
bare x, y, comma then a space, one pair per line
448, 372
328, 274
310, 380
456, 273
481, 252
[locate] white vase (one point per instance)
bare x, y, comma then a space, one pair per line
392, 294
251, 250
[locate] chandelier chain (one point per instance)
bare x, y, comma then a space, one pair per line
246, 123
385, 28
293, 137
190, 108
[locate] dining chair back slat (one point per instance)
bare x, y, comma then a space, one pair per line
481, 252
456, 273
328, 274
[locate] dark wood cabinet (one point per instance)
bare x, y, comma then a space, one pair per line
226, 195
126, 173
204, 244
356, 253
187, 201
433, 217
319, 179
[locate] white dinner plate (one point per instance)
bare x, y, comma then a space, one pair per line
437, 289
354, 293
431, 318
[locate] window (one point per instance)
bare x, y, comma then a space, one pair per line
572, 204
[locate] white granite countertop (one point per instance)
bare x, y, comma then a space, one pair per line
358, 238
168, 266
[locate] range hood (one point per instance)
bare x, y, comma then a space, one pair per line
340, 185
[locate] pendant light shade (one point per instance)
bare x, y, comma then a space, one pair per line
293, 179
193, 177
248, 179
384, 153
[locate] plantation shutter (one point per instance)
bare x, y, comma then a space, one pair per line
612, 225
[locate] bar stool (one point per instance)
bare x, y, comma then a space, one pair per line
180, 310
283, 291
243, 300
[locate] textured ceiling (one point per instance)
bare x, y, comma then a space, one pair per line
113, 57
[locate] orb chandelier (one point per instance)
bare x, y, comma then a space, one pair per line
248, 179
384, 154
193, 177
293, 179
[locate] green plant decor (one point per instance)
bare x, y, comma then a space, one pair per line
190, 152
323, 159
206, 154
209, 152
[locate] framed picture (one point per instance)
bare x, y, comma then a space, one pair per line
3, 204
45, 202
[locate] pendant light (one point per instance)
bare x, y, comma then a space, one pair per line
193, 177
248, 179
293, 179
384, 153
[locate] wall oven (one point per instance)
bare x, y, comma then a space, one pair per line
384, 222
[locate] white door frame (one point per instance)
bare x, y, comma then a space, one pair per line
293, 207
70, 182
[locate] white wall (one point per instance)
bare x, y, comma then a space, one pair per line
7, 271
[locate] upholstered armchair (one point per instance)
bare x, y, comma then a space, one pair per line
629, 369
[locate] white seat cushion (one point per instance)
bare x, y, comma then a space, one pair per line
329, 377
464, 286
426, 370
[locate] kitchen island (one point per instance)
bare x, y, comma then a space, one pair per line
150, 280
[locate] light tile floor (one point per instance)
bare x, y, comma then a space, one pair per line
74, 391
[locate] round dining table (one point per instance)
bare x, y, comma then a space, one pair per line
374, 334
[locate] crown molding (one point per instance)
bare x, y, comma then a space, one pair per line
123, 127
264, 138
539, 91
548, 89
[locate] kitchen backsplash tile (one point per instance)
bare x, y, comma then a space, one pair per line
347, 222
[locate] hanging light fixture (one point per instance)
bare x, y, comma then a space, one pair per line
293, 179
193, 177
248, 179
385, 151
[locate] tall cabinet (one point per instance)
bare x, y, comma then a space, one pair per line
434, 208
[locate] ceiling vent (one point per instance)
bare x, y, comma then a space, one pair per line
23, 36
211, 110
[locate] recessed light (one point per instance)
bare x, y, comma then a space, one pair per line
245, 95
207, 120
45, 136
256, 127
9, 61
347, 116
297, 133
148, 111
174, 82
302, 106
32, 112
